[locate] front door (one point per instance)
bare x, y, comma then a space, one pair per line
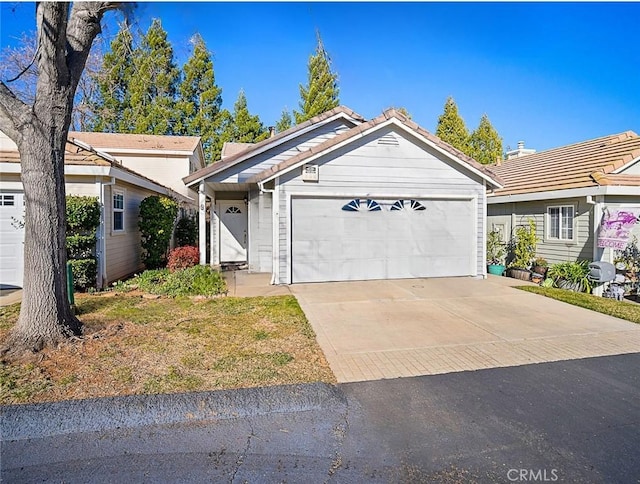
233, 230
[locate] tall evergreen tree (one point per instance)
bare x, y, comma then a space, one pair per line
321, 92
451, 127
241, 126
485, 145
285, 121
113, 80
153, 85
200, 100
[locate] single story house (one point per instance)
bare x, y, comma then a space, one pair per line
340, 198
569, 191
88, 172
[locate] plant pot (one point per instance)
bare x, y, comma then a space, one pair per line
496, 269
521, 274
570, 286
542, 270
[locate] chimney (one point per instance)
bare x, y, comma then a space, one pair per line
272, 131
520, 145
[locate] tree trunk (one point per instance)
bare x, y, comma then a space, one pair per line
40, 130
45, 315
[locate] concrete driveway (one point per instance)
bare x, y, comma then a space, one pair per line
387, 329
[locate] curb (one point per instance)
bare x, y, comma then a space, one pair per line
32, 421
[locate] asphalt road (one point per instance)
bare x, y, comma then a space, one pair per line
573, 421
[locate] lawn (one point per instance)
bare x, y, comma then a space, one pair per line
619, 309
136, 345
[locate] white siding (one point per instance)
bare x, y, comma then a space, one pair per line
260, 232
367, 166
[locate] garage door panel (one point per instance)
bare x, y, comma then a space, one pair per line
331, 244
11, 239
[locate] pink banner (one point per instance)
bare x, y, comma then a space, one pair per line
615, 229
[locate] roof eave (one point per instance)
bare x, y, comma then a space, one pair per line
269, 143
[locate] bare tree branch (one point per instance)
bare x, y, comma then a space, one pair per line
13, 113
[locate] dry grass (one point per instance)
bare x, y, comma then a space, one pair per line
134, 345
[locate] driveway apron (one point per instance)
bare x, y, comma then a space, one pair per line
372, 330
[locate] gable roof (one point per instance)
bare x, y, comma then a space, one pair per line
137, 141
580, 165
390, 115
263, 145
229, 149
76, 155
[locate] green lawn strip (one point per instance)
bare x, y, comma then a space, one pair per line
135, 345
619, 309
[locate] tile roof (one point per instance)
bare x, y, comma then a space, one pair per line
79, 156
136, 141
616, 179
73, 155
219, 166
353, 132
572, 166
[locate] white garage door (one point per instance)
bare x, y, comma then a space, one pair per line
11, 238
359, 239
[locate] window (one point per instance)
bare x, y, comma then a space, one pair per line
7, 200
233, 209
560, 222
118, 210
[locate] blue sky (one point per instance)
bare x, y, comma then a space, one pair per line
547, 73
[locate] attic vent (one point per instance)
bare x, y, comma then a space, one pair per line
388, 140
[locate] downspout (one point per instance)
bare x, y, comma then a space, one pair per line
102, 241
274, 232
597, 252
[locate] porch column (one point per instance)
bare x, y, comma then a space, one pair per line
214, 253
202, 222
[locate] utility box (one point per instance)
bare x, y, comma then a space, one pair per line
601, 272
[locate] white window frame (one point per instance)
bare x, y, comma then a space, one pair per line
548, 237
114, 210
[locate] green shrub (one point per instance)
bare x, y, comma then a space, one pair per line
84, 273
194, 281
80, 246
523, 247
83, 214
186, 232
157, 215
83, 219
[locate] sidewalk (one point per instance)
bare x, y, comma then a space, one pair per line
245, 284
10, 296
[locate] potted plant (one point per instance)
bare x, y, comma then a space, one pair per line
523, 250
572, 276
540, 266
495, 253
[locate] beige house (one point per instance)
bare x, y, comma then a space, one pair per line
90, 172
569, 191
165, 159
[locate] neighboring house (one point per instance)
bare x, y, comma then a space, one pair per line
88, 173
338, 198
568, 191
165, 159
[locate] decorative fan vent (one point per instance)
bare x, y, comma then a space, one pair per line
388, 140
